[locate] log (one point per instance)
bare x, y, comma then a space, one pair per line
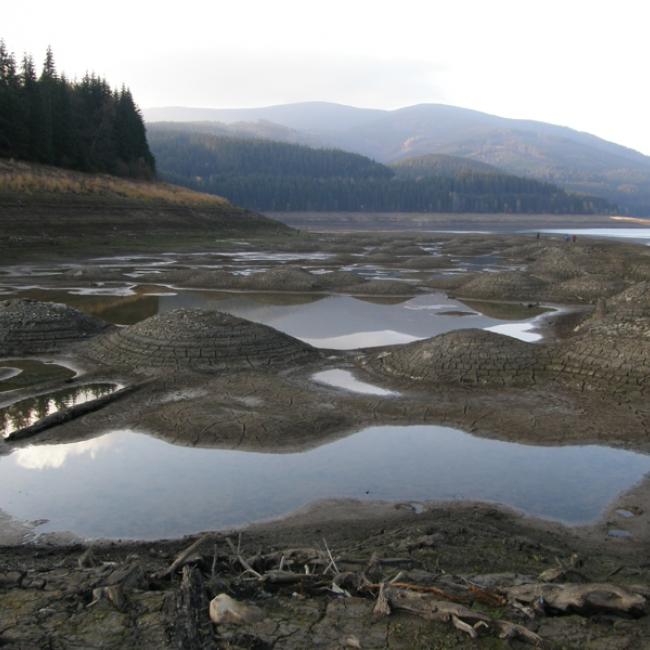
591, 598
191, 625
191, 553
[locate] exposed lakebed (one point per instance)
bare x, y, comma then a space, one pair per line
130, 485
326, 321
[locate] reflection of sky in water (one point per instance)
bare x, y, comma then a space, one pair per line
131, 485
345, 379
521, 331
340, 322
55, 456
334, 321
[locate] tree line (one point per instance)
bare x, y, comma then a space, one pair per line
277, 176
84, 125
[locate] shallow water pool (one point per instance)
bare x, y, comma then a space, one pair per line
131, 485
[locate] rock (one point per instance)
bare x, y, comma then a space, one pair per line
227, 610
10, 579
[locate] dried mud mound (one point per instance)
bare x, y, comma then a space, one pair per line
633, 302
193, 338
558, 263
508, 285
585, 288
30, 327
463, 357
612, 348
612, 355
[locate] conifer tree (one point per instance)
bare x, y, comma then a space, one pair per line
82, 125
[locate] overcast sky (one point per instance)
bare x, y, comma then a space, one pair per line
577, 63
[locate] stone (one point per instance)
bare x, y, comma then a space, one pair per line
227, 610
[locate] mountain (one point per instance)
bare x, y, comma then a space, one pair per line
577, 161
306, 116
261, 129
279, 176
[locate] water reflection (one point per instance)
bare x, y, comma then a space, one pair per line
55, 456
126, 484
29, 411
328, 321
521, 331
345, 379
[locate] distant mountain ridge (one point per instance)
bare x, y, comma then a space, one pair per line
263, 174
577, 161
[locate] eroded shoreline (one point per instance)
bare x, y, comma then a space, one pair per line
556, 405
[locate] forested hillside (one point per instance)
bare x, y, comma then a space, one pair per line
574, 160
83, 125
441, 165
276, 176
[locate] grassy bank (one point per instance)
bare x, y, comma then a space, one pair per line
46, 211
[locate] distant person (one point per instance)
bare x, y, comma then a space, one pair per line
573, 239
537, 236
566, 238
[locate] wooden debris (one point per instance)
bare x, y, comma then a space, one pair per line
190, 554
113, 594
580, 598
464, 627
190, 622
88, 559
382, 606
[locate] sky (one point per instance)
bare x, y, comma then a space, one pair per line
577, 63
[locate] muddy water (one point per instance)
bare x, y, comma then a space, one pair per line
126, 484
28, 411
327, 321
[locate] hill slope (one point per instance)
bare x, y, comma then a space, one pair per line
44, 209
572, 159
277, 176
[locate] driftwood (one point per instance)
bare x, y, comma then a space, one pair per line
587, 598
190, 554
462, 618
468, 596
191, 625
320, 571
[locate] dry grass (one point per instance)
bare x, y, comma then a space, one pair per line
34, 181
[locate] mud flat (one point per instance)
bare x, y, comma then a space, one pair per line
379, 573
